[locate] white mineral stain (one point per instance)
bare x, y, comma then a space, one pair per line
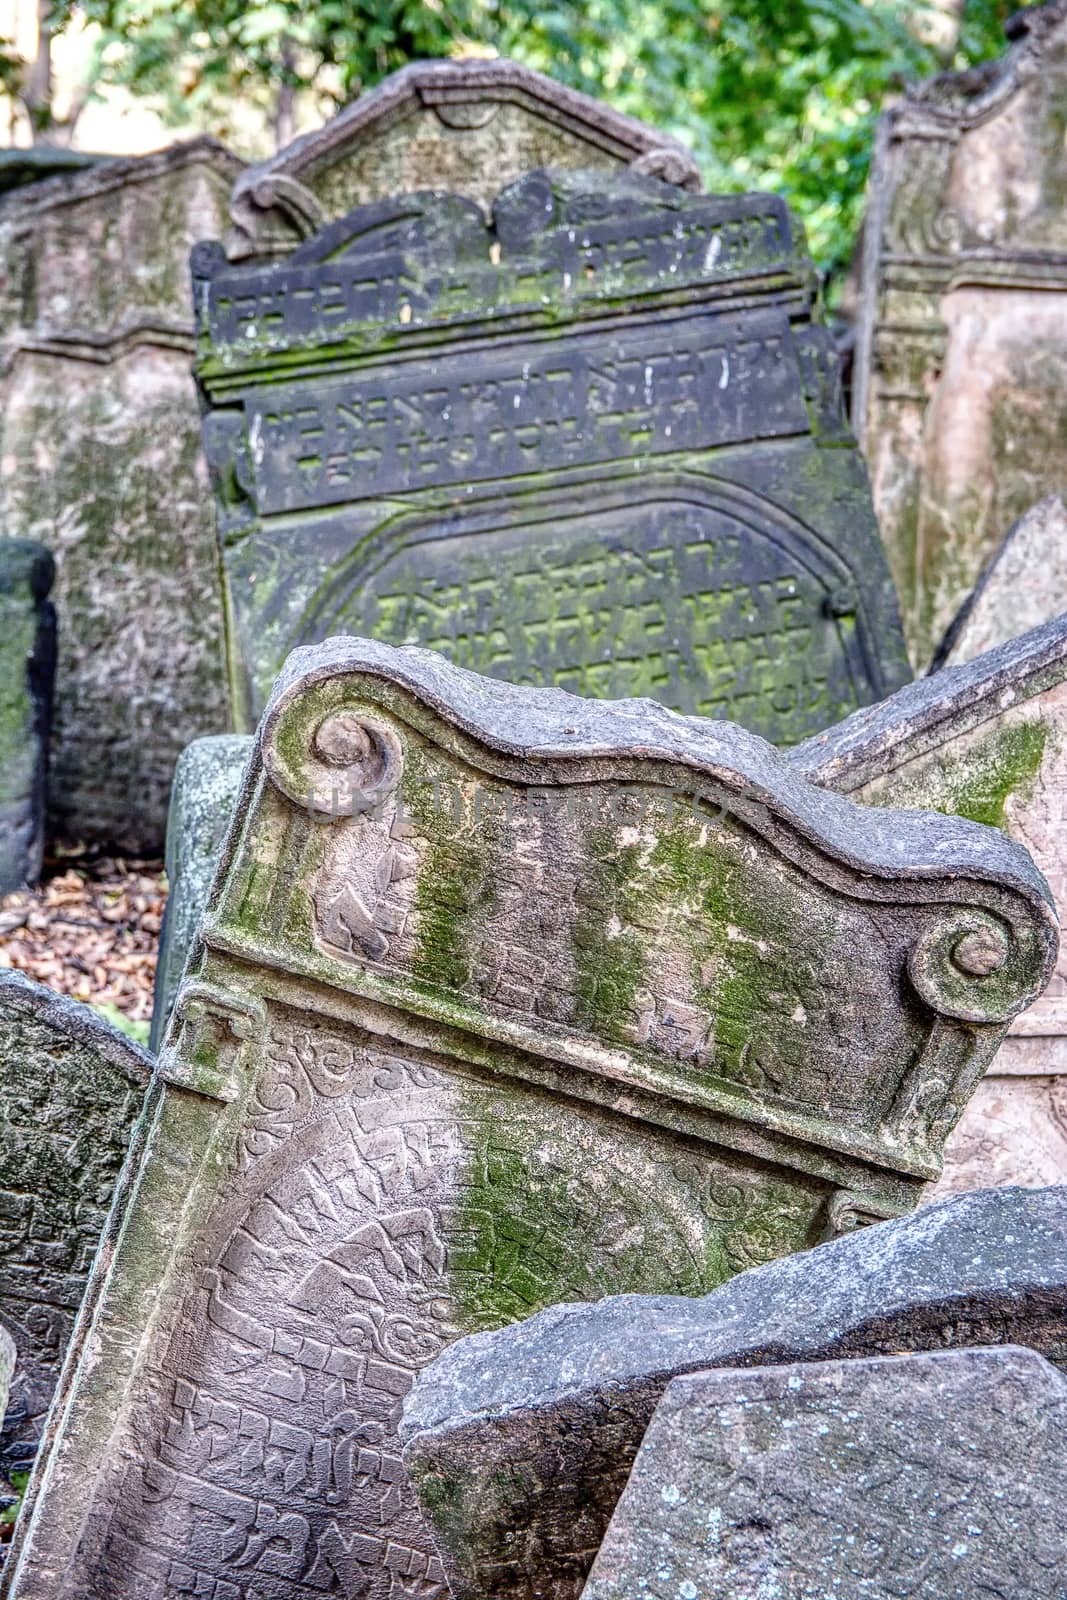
800, 1015
670, 1494
713, 253
725, 378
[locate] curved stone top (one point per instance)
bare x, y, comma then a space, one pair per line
972, 1249
104, 174
81, 1024
548, 732
934, 708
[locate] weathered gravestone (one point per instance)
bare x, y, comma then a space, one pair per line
960, 392
470, 127
520, 1441
596, 441
988, 740
71, 1087
1023, 586
922, 1475
100, 460
27, 673
592, 998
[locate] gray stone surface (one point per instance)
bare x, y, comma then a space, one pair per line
1023, 586
71, 1087
207, 780
467, 126
594, 440
520, 1441
924, 1475
502, 998
27, 677
986, 739
960, 384
100, 460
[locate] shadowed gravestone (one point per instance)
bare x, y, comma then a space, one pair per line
27, 673
502, 998
71, 1087
595, 441
520, 1441
922, 1475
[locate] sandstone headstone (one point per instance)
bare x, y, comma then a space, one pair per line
100, 460
27, 674
988, 740
960, 391
924, 1475
520, 1441
207, 780
71, 1087
595, 442
503, 998
471, 127
1024, 585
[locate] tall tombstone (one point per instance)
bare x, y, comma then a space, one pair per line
100, 460
27, 678
960, 393
71, 1088
595, 441
503, 998
986, 739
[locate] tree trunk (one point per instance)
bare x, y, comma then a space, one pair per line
285, 104
37, 95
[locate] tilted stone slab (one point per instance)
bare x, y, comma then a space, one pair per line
27, 675
100, 460
961, 339
71, 1087
520, 1441
594, 441
467, 126
1023, 586
923, 1475
594, 998
988, 740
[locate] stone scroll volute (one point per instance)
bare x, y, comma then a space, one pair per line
504, 998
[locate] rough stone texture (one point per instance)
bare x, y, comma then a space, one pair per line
520, 1441
924, 1475
1024, 585
593, 998
987, 740
71, 1087
596, 442
100, 460
470, 127
27, 674
8, 1358
960, 391
207, 780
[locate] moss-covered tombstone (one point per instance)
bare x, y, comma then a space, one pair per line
595, 440
503, 998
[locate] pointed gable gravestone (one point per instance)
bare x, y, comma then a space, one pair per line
960, 390
502, 998
71, 1088
594, 442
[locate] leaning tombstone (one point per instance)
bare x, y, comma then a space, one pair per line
594, 441
27, 674
921, 1475
986, 740
71, 1088
1023, 586
502, 998
100, 459
960, 384
520, 1441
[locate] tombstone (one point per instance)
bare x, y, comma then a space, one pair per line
470, 127
960, 388
595, 441
1024, 585
520, 1441
27, 673
986, 740
71, 1087
207, 780
100, 460
920, 1475
502, 998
